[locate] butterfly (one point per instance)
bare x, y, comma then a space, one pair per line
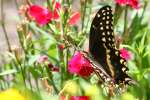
103, 49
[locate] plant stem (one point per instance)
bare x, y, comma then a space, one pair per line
61, 59
23, 74
28, 2
83, 15
4, 28
125, 33
144, 8
125, 20
20, 68
50, 80
88, 18
30, 82
37, 85
55, 88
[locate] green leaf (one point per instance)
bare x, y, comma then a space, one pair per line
52, 52
147, 75
117, 14
33, 59
35, 72
143, 39
129, 47
136, 26
54, 29
146, 54
35, 28
7, 72
127, 96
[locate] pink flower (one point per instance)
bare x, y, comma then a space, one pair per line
79, 65
74, 18
133, 3
41, 15
79, 98
42, 59
125, 54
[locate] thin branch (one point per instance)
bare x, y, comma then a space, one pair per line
125, 34
84, 13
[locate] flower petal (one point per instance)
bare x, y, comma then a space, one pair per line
75, 63
55, 14
121, 2
55, 69
79, 98
74, 18
125, 54
132, 3
40, 14
80, 66
57, 7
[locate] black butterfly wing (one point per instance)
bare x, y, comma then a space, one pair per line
102, 46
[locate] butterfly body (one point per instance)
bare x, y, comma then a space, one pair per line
102, 46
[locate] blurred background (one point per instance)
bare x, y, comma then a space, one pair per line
138, 43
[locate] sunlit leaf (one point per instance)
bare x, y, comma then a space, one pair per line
7, 72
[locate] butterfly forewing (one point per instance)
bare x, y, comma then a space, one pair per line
102, 46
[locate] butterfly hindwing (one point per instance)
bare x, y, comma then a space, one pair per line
102, 46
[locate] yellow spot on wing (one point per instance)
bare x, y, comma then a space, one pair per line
103, 39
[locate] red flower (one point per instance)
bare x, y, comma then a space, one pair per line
125, 54
61, 46
133, 3
55, 69
74, 18
62, 97
50, 65
79, 98
79, 65
121, 2
40, 14
56, 9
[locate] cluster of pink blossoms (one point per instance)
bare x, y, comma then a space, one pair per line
43, 15
132, 3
